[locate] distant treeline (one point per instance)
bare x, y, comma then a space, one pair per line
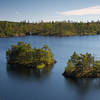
64, 28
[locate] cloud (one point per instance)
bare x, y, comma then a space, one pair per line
85, 11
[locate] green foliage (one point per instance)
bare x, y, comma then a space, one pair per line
82, 65
82, 60
63, 28
70, 66
23, 54
41, 66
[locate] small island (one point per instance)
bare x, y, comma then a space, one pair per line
82, 66
24, 55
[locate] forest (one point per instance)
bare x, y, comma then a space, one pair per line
63, 28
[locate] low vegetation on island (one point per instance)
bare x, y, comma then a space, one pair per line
24, 55
82, 66
64, 28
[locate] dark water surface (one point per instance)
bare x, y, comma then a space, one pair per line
49, 84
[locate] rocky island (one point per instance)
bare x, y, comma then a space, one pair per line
82, 66
24, 55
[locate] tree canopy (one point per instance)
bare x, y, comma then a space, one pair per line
82, 65
64, 28
23, 54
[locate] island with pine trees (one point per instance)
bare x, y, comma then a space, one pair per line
23, 55
82, 66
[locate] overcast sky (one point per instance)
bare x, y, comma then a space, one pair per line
49, 10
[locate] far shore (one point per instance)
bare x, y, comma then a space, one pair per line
47, 35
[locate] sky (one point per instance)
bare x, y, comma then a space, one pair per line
49, 10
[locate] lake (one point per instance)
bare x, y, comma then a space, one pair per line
50, 84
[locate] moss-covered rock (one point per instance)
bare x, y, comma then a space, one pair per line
23, 54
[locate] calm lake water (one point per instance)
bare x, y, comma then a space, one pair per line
49, 84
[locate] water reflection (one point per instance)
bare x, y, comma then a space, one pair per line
82, 87
21, 72
84, 84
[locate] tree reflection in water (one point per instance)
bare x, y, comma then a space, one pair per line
22, 72
82, 87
